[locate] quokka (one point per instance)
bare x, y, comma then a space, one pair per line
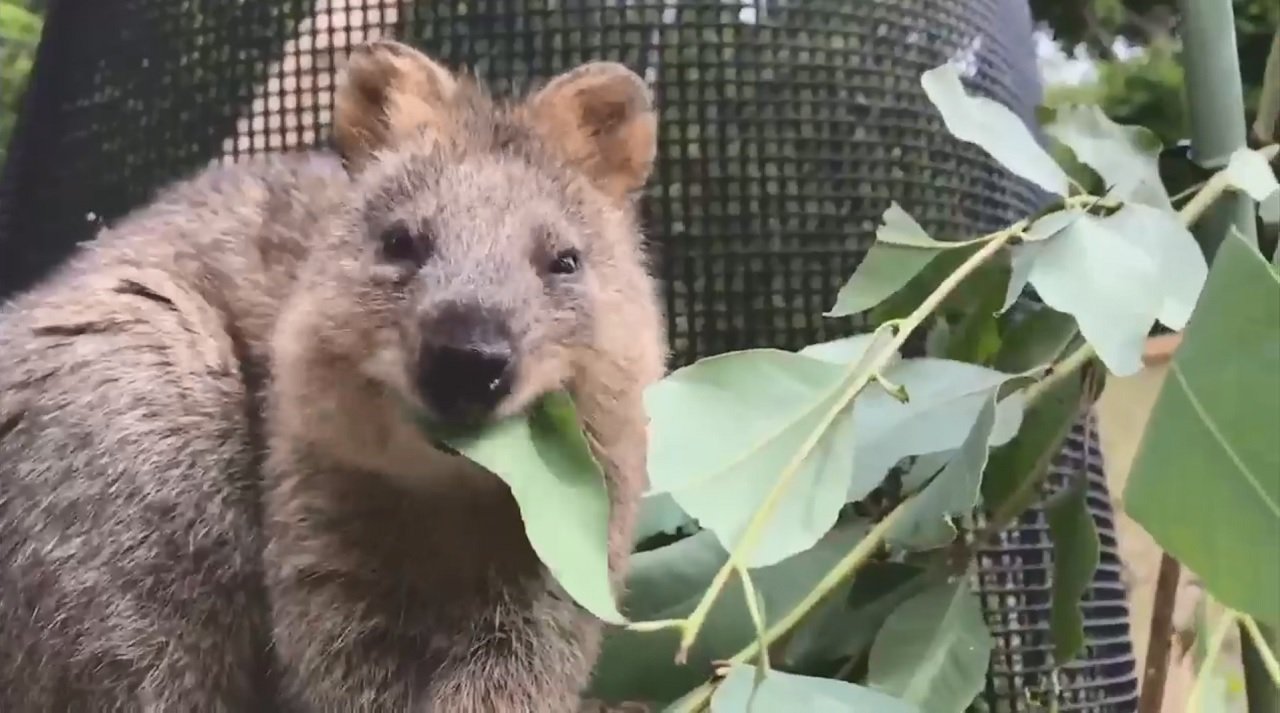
212, 494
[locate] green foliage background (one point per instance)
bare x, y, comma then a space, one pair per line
19, 32
1147, 91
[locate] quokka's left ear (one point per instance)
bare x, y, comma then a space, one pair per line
600, 117
388, 92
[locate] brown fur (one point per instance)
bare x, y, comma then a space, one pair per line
212, 494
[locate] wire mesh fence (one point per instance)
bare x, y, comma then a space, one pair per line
787, 126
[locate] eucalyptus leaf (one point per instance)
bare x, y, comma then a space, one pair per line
1051, 224
954, 491
946, 397
992, 274
1022, 258
1035, 340
559, 487
725, 428
1126, 157
933, 651
1075, 558
924, 468
845, 625
789, 693
1178, 258
1025, 254
660, 515
667, 582
1109, 283
897, 227
1248, 171
994, 128
902, 249
884, 270
1210, 451
1269, 209
847, 350
1014, 468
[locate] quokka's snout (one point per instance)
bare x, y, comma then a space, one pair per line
466, 363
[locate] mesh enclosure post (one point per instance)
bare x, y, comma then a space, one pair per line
787, 126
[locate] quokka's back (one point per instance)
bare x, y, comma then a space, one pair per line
129, 437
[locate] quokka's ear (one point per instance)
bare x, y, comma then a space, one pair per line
387, 92
600, 117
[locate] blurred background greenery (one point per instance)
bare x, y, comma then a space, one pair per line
19, 32
1124, 52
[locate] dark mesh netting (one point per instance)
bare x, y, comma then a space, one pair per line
787, 127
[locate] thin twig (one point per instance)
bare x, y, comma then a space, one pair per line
844, 570
1156, 667
1229, 618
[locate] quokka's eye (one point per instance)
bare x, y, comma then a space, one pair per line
400, 244
566, 262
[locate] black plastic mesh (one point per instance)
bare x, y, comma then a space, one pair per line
787, 126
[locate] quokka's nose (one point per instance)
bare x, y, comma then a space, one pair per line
466, 363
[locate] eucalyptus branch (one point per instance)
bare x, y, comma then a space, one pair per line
1213, 189
1069, 365
843, 571
859, 375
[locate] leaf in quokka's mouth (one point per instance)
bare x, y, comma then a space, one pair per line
543, 456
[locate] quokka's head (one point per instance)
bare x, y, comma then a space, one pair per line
486, 246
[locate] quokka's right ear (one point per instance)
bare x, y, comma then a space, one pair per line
388, 92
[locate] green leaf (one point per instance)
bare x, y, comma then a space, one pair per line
976, 337
1021, 259
922, 285
558, 485
994, 128
1013, 467
933, 651
1075, 558
945, 400
885, 270
788, 693
1036, 340
1269, 210
1051, 224
845, 625
666, 583
897, 227
1126, 157
902, 249
926, 523
1249, 171
660, 515
1024, 255
1206, 480
1173, 249
1108, 282
724, 429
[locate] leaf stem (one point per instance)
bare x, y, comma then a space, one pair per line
1069, 365
1263, 646
1210, 660
757, 616
844, 570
